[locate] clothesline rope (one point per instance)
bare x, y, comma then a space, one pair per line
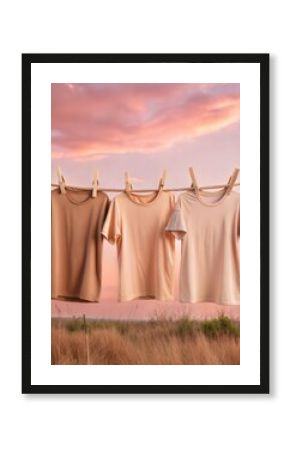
85, 188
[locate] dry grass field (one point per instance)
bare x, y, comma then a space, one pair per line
183, 341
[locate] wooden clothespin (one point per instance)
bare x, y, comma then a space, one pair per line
194, 184
232, 180
95, 184
61, 180
162, 179
128, 185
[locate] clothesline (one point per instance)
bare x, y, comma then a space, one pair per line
85, 188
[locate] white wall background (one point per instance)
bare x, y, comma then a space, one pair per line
130, 422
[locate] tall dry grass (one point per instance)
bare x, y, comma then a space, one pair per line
156, 342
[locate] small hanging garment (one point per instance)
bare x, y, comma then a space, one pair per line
77, 218
136, 223
208, 224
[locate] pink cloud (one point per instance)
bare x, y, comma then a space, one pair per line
135, 179
90, 121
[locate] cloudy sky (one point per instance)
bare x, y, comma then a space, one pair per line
143, 129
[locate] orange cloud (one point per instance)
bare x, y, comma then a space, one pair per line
92, 121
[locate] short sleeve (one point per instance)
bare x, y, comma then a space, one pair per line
176, 224
172, 201
112, 226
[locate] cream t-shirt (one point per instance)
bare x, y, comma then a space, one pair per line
136, 223
76, 243
210, 254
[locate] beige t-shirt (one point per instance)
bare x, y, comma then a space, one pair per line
76, 248
136, 223
210, 252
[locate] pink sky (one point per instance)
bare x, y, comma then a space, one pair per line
143, 129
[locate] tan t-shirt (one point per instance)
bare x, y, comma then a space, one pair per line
136, 223
210, 252
76, 248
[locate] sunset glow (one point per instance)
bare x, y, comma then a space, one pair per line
143, 129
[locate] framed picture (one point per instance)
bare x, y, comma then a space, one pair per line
145, 267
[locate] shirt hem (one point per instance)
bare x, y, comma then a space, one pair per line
145, 297
67, 297
217, 302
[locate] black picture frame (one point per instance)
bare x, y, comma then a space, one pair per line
263, 60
